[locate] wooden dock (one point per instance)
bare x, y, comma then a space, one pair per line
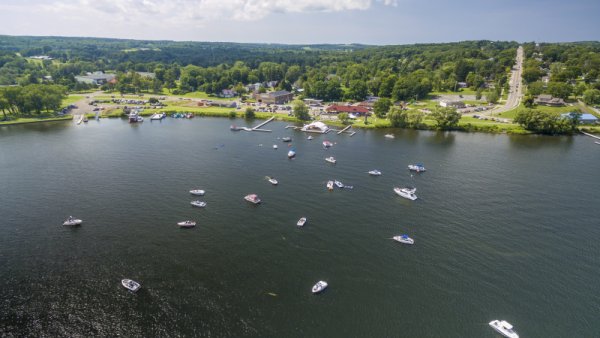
590, 135
257, 128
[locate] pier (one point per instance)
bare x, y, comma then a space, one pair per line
590, 135
257, 128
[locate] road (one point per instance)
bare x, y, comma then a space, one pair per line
515, 83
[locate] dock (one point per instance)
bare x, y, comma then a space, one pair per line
345, 131
590, 135
257, 128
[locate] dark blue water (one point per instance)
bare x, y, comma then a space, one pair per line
505, 227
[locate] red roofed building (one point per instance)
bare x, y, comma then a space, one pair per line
356, 110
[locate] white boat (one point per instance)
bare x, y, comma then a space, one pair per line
320, 286
338, 184
80, 119
252, 198
198, 204
309, 137
406, 193
131, 285
187, 224
327, 144
504, 328
291, 154
272, 180
286, 139
72, 221
390, 136
158, 116
375, 172
416, 167
404, 239
275, 146
85, 119
197, 192
301, 222
330, 185
140, 119
330, 159
596, 142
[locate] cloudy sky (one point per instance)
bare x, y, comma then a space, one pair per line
306, 21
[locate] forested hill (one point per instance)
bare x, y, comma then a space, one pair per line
186, 52
205, 54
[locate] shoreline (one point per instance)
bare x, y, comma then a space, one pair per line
466, 128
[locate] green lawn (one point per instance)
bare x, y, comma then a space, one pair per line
71, 99
34, 120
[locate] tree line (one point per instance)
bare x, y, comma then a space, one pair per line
31, 99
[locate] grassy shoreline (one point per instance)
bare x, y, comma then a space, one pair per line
466, 125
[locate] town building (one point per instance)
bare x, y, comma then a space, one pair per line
95, 78
278, 97
548, 100
583, 119
356, 110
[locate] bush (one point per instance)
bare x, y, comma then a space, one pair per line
232, 114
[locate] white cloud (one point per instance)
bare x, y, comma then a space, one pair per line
201, 11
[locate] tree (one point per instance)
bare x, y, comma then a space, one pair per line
300, 110
591, 96
381, 107
358, 90
560, 89
478, 94
343, 117
249, 113
531, 74
528, 101
400, 118
545, 122
446, 117
492, 97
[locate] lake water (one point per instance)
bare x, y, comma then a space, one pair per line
505, 227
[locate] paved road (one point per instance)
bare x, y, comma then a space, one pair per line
515, 85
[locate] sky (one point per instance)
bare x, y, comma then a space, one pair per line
374, 22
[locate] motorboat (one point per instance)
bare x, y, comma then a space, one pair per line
187, 224
390, 136
158, 116
338, 184
234, 128
330, 159
309, 137
72, 221
348, 187
85, 119
189, 116
131, 285
197, 192
404, 239
272, 180
275, 146
140, 119
291, 153
286, 139
416, 167
319, 287
375, 172
408, 193
252, 198
327, 144
330, 185
301, 222
504, 328
198, 204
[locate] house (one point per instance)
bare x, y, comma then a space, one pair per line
148, 75
583, 119
278, 97
454, 104
95, 78
548, 100
229, 93
253, 87
356, 110
313, 102
272, 84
